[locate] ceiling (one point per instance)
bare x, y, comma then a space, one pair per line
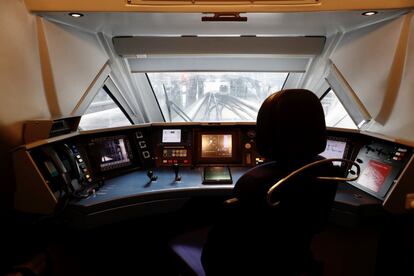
260, 24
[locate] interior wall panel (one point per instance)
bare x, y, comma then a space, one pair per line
378, 62
400, 123
22, 91
364, 57
75, 58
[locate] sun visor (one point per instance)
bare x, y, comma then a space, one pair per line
222, 63
155, 46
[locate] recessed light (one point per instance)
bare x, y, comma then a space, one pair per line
75, 14
369, 13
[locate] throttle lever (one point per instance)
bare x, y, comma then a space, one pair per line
176, 169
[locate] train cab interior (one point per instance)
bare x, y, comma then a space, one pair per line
127, 124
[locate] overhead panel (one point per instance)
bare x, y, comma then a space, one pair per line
148, 45
213, 5
224, 2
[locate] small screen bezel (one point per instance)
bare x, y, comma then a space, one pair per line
366, 154
385, 186
210, 171
386, 181
171, 143
236, 152
346, 149
97, 142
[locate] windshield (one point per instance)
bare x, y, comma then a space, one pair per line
213, 96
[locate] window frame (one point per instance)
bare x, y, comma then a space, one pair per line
105, 87
347, 96
347, 112
104, 79
115, 94
155, 96
105, 82
115, 101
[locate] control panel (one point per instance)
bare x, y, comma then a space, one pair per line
173, 145
184, 154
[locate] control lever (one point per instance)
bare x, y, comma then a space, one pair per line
176, 169
151, 176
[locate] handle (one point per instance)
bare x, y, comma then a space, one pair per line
310, 165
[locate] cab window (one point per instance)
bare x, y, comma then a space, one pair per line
335, 113
104, 112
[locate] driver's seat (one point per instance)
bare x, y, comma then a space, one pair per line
259, 235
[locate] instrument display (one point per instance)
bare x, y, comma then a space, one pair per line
335, 148
216, 145
381, 163
171, 135
112, 152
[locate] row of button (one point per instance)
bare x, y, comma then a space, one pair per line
399, 154
396, 156
175, 153
142, 145
175, 161
81, 163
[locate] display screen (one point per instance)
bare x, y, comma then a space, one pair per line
374, 175
113, 152
216, 146
334, 149
171, 135
217, 175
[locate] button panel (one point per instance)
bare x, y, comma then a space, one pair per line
179, 155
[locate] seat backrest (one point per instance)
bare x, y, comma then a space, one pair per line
254, 237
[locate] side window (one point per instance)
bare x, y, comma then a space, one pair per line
104, 112
335, 113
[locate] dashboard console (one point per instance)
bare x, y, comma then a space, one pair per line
113, 167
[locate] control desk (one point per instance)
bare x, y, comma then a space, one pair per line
106, 175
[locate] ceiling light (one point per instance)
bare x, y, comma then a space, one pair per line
75, 14
369, 13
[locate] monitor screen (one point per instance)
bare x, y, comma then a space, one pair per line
113, 152
171, 135
216, 146
334, 149
374, 175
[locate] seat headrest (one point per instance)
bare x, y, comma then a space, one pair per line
291, 125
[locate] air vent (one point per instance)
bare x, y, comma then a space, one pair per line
223, 2
223, 16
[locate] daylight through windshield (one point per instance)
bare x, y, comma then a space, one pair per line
213, 96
